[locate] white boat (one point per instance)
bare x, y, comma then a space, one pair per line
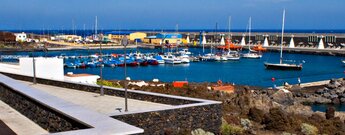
185, 52
251, 54
223, 58
208, 57
171, 59
232, 55
184, 58
281, 65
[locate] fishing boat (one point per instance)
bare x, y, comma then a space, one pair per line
259, 48
251, 53
143, 62
281, 65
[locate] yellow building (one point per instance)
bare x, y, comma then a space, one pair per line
137, 36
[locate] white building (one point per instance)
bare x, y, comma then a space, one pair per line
21, 37
48, 68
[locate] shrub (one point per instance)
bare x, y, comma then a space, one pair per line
109, 83
229, 129
308, 129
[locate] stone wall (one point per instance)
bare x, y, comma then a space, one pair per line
96, 89
177, 121
45, 117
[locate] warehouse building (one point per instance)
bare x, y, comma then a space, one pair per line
164, 38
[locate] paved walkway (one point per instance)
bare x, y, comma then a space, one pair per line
20, 124
103, 104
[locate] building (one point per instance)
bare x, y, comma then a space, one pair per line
164, 38
68, 38
20, 37
116, 36
137, 36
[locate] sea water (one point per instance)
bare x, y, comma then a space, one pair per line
244, 71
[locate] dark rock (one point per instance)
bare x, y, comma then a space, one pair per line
340, 90
334, 96
335, 101
330, 112
306, 95
333, 92
342, 96
256, 115
342, 100
277, 120
320, 91
298, 94
327, 95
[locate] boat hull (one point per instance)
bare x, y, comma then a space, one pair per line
282, 66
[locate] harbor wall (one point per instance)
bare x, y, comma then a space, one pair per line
177, 121
45, 117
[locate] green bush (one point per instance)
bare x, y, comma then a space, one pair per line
109, 83
308, 129
229, 129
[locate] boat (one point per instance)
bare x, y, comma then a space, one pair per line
259, 48
232, 55
171, 59
252, 54
184, 58
152, 62
281, 65
159, 59
143, 62
343, 61
185, 52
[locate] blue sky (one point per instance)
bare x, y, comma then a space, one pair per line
165, 14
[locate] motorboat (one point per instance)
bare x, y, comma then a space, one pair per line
171, 59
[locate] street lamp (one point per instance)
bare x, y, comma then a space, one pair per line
124, 42
100, 60
33, 66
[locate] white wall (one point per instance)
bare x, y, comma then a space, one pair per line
50, 68
92, 79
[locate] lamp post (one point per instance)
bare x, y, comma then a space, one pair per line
124, 42
33, 66
100, 60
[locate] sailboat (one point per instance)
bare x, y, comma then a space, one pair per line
251, 53
230, 55
281, 65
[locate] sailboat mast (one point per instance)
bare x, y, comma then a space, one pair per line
96, 27
250, 28
229, 26
282, 39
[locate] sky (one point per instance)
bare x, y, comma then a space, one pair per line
165, 14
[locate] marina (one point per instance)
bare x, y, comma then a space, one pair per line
242, 71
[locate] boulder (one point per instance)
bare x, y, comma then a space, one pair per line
334, 96
332, 92
335, 101
340, 90
283, 96
333, 84
320, 91
342, 100
327, 95
322, 100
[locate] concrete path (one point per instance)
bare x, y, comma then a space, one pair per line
103, 104
20, 124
